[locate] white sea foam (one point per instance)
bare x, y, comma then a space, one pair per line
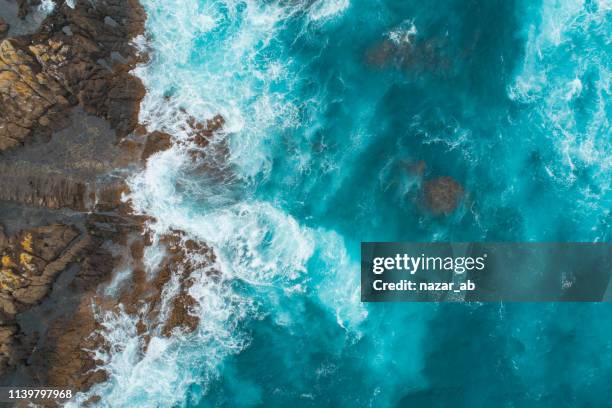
46, 7
404, 33
575, 33
340, 289
327, 9
217, 57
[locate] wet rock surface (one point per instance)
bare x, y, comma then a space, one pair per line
51, 277
31, 261
156, 142
182, 257
68, 107
69, 137
72, 170
43, 75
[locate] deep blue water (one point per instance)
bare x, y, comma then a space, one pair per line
510, 98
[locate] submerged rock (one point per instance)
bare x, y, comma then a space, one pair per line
411, 54
442, 195
4, 27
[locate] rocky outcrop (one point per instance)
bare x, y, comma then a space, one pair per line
58, 159
23, 184
78, 57
31, 100
156, 142
71, 170
63, 357
203, 133
67, 107
183, 257
46, 332
442, 195
30, 262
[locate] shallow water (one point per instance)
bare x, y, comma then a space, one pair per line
325, 130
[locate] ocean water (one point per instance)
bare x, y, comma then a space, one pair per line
331, 107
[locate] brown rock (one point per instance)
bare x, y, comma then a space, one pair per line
30, 262
48, 242
183, 258
23, 184
43, 75
30, 99
80, 56
64, 359
156, 142
180, 316
442, 195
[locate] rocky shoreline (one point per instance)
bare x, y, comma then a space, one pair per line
68, 138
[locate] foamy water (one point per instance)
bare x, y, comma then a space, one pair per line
318, 146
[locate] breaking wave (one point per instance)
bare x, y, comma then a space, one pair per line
313, 158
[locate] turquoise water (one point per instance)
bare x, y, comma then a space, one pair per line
510, 98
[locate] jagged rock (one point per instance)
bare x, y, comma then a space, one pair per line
442, 195
30, 262
64, 360
48, 242
43, 75
25, 277
156, 142
202, 134
183, 257
80, 56
31, 99
181, 316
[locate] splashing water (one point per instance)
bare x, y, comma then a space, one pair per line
509, 98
